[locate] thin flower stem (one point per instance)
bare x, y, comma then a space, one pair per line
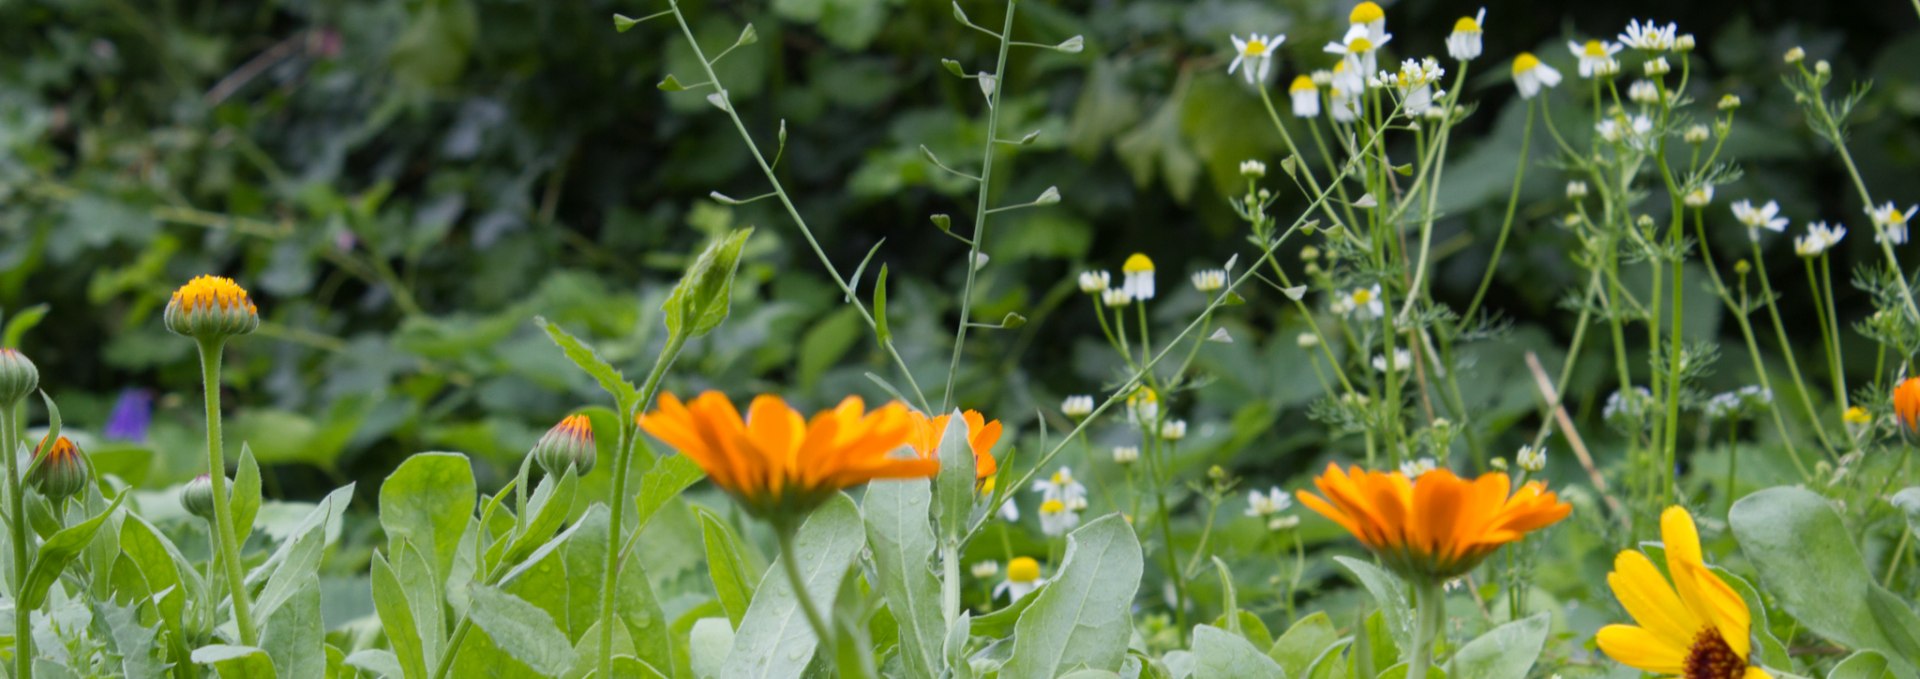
17, 529
210, 352
623, 462
789, 561
980, 209
1833, 330
1740, 312
1827, 340
1430, 612
1786, 351
1506, 223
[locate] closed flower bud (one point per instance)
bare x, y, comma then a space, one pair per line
1729, 102
1821, 67
197, 497
211, 308
1576, 189
567, 444
1698, 134
1795, 55
1684, 43
60, 469
18, 377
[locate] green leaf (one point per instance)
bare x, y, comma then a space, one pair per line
235, 662
956, 479
611, 379
880, 331
293, 635
1221, 653
1768, 649
396, 617
708, 645
426, 600
552, 502
22, 321
428, 501
59, 551
1908, 501
702, 298
1800, 547
377, 662
1897, 621
1862, 665
661, 484
1387, 593
522, 630
169, 579
1504, 652
1080, 619
900, 537
1296, 650
774, 640
245, 495
731, 581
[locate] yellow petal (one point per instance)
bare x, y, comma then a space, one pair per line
1651, 602
1757, 673
1681, 538
1723, 607
1638, 648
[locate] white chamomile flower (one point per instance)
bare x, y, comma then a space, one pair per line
1360, 48
1370, 16
1094, 282
1137, 278
1116, 297
1365, 303
1306, 97
986, 569
1764, 217
1209, 280
1596, 57
1700, 197
1648, 36
1819, 239
1009, 511
1262, 505
1464, 43
1413, 469
1173, 430
1530, 75
1644, 92
1143, 406
1077, 406
1531, 458
1635, 131
1061, 486
1253, 169
1256, 53
1023, 576
1890, 224
1414, 83
1402, 360
1343, 105
1657, 67
1125, 455
1576, 189
1057, 518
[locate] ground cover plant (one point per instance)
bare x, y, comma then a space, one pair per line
1313, 443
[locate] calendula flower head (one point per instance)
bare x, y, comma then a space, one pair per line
1648, 36
1596, 57
1077, 406
1819, 239
1699, 197
1697, 627
1061, 486
1058, 517
1889, 223
1530, 75
1261, 505
1253, 169
1359, 49
1437, 526
1402, 361
985, 569
1643, 92
1023, 576
1138, 277
197, 497
1094, 282
1116, 297
1173, 430
568, 444
1531, 458
1256, 53
1464, 43
1143, 405
1125, 455
779, 465
211, 308
1306, 97
18, 378
1209, 280
982, 435
60, 469
1764, 217
1906, 403
1414, 83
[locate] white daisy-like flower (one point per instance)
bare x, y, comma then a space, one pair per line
1370, 16
1253, 169
1889, 223
1306, 97
1262, 505
986, 569
1009, 512
1402, 360
1342, 105
1116, 297
1137, 278
1763, 217
1648, 36
1077, 406
1209, 280
1700, 197
1023, 576
1657, 67
1307, 340
1061, 486
1596, 57
1414, 468
1256, 53
1057, 518
1093, 282
1576, 189
1173, 430
1530, 75
1464, 43
1125, 455
1531, 458
1143, 406
1644, 92
1359, 49
1414, 82
1365, 303
1635, 131
1819, 239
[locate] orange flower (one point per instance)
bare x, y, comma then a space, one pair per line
1438, 525
1906, 403
778, 465
981, 436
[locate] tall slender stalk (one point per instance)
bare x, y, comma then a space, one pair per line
17, 530
224, 533
783, 534
980, 206
623, 462
1430, 612
1787, 350
1506, 223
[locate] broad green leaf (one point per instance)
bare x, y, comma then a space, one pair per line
245, 495
611, 379
548, 509
235, 662
59, 551
293, 573
1220, 653
1229, 598
378, 662
323, 518
1908, 502
900, 537
1897, 621
956, 645
1387, 593
427, 501
396, 618
702, 298
661, 484
1805, 558
1768, 650
426, 600
775, 640
1399, 671
1080, 619
710, 640
954, 484
725, 567
999, 624
293, 634
1296, 650
565, 578
166, 574
1504, 652
522, 630
134, 645
1862, 665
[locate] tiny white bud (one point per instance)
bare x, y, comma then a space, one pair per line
1795, 55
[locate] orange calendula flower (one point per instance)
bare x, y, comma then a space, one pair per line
981, 437
779, 465
1438, 525
1906, 403
211, 307
1697, 628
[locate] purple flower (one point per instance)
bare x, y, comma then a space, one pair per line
130, 416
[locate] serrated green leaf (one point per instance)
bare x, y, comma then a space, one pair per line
624, 394
1081, 617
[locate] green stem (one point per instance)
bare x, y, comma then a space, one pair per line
1833, 331
1733, 460
783, 534
1430, 611
210, 353
17, 529
980, 208
1506, 224
1786, 351
630, 436
950, 579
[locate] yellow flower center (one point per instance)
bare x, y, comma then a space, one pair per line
1525, 62
1256, 47
1144, 395
1857, 415
1302, 84
1895, 217
1137, 263
1466, 25
213, 292
1053, 507
1366, 12
1594, 49
1362, 296
1360, 45
1023, 569
1711, 658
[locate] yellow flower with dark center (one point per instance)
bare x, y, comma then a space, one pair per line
211, 307
1437, 525
981, 437
1695, 628
779, 465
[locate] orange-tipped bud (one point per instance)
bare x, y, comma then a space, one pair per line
567, 444
60, 470
211, 308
